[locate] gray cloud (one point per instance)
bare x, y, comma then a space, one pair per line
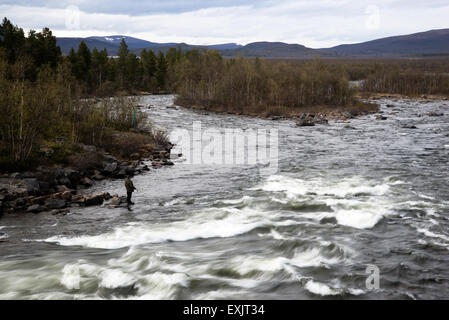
135, 7
314, 23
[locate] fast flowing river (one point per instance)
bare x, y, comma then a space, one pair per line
345, 205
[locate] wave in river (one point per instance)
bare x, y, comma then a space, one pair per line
351, 202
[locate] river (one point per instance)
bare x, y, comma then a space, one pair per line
346, 204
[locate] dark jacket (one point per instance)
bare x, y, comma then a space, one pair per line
129, 185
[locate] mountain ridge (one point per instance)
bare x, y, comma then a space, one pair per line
432, 42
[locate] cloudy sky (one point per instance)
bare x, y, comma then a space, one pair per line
314, 23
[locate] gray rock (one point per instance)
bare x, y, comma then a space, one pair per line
175, 156
31, 185
305, 123
121, 173
435, 114
97, 175
35, 208
347, 115
25, 175
110, 168
86, 182
59, 211
115, 201
135, 156
144, 168
65, 181
94, 200
55, 204
108, 159
409, 126
129, 170
66, 195
73, 175
62, 188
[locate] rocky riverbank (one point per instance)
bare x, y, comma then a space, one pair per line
56, 189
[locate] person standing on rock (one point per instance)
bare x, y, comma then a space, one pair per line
129, 189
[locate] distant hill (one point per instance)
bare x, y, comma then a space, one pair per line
67, 43
272, 50
423, 43
133, 43
112, 43
225, 46
434, 42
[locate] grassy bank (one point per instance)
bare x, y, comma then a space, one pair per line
276, 112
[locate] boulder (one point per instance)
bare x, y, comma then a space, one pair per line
110, 168
347, 115
94, 200
115, 201
86, 182
66, 195
32, 186
135, 156
310, 120
65, 181
175, 156
39, 200
97, 175
55, 204
25, 175
144, 168
321, 121
62, 188
435, 114
73, 175
156, 164
35, 208
121, 173
20, 202
167, 163
129, 170
108, 159
305, 123
380, 117
59, 211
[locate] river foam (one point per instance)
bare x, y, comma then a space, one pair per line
354, 202
212, 223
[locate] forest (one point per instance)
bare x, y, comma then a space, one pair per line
46, 105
